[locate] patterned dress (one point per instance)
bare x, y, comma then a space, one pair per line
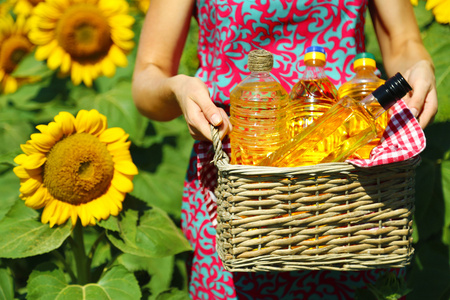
228, 31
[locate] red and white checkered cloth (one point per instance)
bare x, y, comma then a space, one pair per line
402, 139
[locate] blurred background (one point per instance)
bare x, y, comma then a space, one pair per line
33, 92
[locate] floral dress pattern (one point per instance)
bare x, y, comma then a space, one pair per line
228, 31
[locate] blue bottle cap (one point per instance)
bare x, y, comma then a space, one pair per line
315, 49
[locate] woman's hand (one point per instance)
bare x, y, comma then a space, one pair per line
199, 111
423, 98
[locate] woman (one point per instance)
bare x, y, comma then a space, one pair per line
228, 31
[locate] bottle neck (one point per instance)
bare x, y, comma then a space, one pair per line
372, 106
314, 69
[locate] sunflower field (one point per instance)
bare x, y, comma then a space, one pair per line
69, 130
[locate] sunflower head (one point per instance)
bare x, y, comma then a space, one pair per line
14, 45
83, 38
76, 167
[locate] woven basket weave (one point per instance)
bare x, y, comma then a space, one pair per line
333, 216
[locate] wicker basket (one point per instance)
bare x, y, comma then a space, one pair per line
333, 216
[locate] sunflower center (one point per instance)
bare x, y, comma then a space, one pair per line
78, 169
12, 51
84, 33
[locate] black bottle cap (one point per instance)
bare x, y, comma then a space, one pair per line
392, 90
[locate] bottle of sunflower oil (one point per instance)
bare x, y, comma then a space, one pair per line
312, 95
345, 111
362, 84
257, 111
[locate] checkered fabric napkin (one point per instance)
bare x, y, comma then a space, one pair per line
402, 139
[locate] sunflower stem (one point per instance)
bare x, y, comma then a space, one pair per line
81, 259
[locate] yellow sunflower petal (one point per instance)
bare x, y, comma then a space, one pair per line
43, 52
66, 62
94, 122
74, 215
55, 130
56, 58
42, 142
107, 67
10, 85
117, 56
29, 149
49, 211
115, 207
67, 121
30, 186
99, 208
23, 173
40, 37
122, 182
19, 159
111, 135
126, 167
84, 215
38, 199
63, 213
34, 161
86, 75
76, 73
119, 21
42, 128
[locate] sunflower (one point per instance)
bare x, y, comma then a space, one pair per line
441, 10
76, 167
14, 45
83, 38
24, 7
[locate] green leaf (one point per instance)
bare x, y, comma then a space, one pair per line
445, 171
6, 285
10, 192
149, 233
15, 129
429, 274
160, 270
29, 67
162, 167
48, 282
112, 224
23, 235
173, 294
437, 41
118, 106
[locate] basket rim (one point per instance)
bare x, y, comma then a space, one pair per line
222, 162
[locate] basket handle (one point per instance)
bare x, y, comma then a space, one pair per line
219, 154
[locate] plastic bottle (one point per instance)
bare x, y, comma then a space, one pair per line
347, 110
362, 84
312, 95
257, 112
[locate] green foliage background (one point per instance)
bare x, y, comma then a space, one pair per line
161, 152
